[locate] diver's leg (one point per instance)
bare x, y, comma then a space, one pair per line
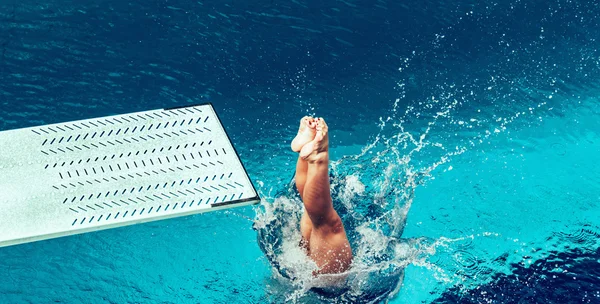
300, 178
306, 133
328, 243
305, 223
316, 192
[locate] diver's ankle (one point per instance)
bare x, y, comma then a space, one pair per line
318, 158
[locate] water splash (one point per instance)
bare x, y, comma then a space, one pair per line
373, 193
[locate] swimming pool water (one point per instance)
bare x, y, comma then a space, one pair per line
499, 196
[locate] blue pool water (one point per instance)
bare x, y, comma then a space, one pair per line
464, 138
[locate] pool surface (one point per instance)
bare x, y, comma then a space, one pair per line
464, 137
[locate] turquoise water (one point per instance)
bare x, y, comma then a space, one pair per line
465, 141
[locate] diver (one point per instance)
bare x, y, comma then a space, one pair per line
323, 236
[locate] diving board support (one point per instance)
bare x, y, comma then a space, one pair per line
88, 175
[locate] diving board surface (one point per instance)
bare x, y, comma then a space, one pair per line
88, 175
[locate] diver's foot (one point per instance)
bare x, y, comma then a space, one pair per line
306, 133
317, 150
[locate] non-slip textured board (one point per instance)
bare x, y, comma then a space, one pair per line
88, 175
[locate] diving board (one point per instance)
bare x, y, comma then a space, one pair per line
88, 175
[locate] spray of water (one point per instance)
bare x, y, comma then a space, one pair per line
373, 193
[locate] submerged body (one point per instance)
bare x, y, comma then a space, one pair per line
323, 234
